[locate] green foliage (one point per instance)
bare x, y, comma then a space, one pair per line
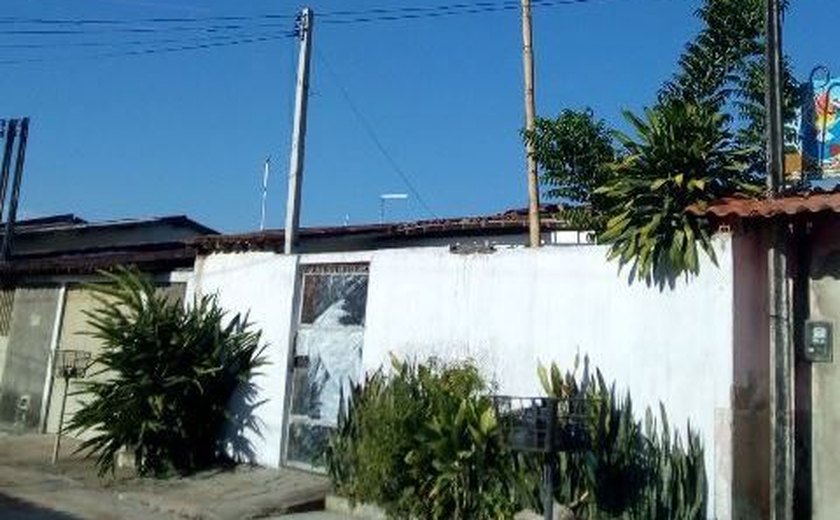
631, 472
422, 442
461, 466
683, 155
679, 490
574, 152
177, 379
730, 36
724, 67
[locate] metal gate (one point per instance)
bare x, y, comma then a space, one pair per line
327, 356
29, 335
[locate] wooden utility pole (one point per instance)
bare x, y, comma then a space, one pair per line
781, 351
304, 28
530, 125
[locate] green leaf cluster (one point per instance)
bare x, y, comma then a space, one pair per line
724, 67
703, 139
683, 155
574, 152
634, 470
175, 381
422, 441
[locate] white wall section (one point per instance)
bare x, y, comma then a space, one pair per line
510, 310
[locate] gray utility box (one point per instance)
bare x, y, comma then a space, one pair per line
819, 341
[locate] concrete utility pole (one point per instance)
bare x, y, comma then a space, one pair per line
781, 351
10, 133
6, 248
530, 125
304, 28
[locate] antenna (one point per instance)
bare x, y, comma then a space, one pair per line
266, 171
386, 197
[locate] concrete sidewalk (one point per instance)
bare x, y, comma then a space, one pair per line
33, 489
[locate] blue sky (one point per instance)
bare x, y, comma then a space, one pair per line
187, 132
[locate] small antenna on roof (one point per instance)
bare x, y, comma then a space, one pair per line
266, 171
386, 197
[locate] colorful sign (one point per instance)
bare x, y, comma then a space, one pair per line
820, 127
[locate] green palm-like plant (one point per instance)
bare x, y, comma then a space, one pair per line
633, 470
683, 155
176, 380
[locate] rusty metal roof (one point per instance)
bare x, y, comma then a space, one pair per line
811, 202
508, 222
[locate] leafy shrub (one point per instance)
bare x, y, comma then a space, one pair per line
173, 372
461, 465
632, 471
422, 442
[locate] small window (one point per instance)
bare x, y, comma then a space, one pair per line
334, 295
7, 299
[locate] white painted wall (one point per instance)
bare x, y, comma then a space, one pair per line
262, 285
512, 309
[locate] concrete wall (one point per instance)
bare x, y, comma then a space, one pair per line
74, 334
825, 377
510, 310
262, 285
513, 309
751, 377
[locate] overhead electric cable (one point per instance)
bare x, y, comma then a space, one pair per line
334, 17
130, 43
368, 128
160, 50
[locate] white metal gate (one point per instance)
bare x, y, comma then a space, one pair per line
327, 356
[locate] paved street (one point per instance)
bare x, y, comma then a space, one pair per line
32, 489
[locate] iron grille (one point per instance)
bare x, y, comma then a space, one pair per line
543, 424
7, 300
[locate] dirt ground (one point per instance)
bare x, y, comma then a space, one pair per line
33, 489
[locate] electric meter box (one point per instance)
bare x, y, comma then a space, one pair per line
819, 341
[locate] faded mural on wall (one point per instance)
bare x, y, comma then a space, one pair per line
820, 128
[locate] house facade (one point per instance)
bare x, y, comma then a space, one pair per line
43, 299
811, 221
471, 290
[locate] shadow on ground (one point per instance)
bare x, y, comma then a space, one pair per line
12, 508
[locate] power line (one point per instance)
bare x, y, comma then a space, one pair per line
223, 31
331, 17
137, 30
419, 13
129, 43
157, 20
368, 128
160, 50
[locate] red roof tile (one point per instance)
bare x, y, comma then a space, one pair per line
813, 202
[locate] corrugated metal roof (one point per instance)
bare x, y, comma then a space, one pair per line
790, 204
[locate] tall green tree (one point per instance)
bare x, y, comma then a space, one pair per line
724, 67
574, 152
704, 139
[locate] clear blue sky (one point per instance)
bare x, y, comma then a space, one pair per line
186, 132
